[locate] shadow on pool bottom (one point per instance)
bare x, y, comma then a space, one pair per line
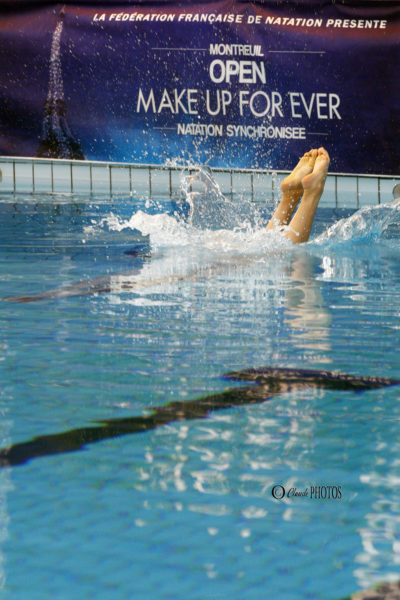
266, 382
382, 591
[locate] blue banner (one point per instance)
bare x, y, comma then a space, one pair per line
234, 84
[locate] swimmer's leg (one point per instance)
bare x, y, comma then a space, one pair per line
313, 184
292, 190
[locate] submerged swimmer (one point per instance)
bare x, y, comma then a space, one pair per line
306, 181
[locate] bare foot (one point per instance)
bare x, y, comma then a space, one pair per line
313, 185
315, 180
293, 182
292, 190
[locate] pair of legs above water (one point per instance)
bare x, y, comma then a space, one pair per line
305, 182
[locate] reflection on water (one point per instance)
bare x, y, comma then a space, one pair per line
307, 312
225, 470
198, 492
380, 529
6, 487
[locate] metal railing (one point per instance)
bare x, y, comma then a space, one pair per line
91, 178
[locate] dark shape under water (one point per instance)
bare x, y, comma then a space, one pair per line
97, 285
57, 140
122, 281
382, 591
266, 383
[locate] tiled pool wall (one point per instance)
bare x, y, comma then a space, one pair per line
58, 176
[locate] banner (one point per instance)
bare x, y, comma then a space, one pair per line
231, 84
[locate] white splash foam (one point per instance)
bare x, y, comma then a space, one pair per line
366, 224
166, 232
236, 234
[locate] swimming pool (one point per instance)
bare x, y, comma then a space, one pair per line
167, 303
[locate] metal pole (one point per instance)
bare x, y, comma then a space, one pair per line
358, 192
150, 190
71, 178
336, 192
273, 187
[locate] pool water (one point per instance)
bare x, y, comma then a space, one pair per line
169, 299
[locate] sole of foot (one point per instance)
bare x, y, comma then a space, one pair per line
305, 166
316, 179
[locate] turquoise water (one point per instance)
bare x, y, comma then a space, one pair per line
185, 510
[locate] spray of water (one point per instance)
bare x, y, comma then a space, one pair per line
210, 209
190, 248
212, 224
366, 225
215, 225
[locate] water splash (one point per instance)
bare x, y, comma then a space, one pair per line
219, 224
57, 140
213, 225
210, 209
366, 225
182, 250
